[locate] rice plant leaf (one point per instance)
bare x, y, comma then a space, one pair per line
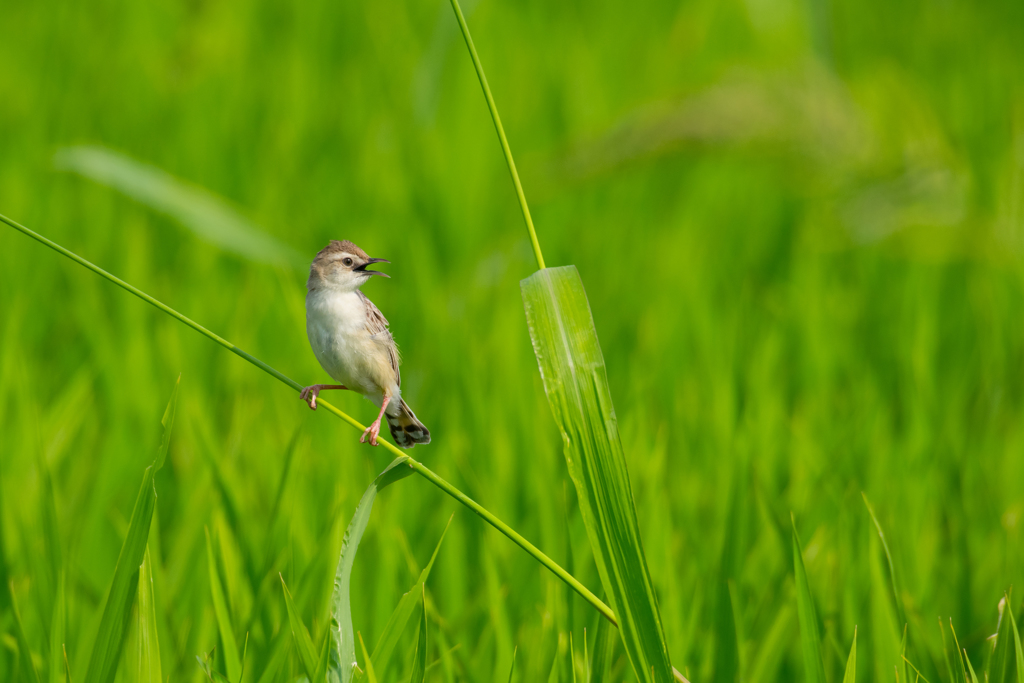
211, 218
149, 643
1016, 643
343, 652
999, 664
765, 666
419, 660
303, 643
51, 533
24, 649
888, 558
604, 644
320, 673
810, 640
512, 669
106, 649
229, 646
572, 658
371, 675
58, 631
970, 667
573, 371
954, 660
400, 617
851, 662
885, 628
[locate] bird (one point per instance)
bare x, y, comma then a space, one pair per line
351, 339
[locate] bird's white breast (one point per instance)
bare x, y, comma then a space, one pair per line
336, 325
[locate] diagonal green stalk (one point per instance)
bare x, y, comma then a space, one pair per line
417, 466
501, 133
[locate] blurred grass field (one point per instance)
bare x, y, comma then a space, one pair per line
801, 229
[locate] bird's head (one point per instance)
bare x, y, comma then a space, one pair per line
342, 265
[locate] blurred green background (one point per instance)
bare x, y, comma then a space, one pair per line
801, 228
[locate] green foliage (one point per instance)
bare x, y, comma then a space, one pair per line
395, 626
572, 367
106, 648
229, 646
850, 674
799, 226
810, 637
343, 659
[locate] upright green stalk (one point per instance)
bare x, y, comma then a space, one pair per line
419, 467
501, 133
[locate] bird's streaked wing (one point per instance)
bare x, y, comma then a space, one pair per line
377, 326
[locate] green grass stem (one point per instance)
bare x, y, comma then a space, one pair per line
501, 133
417, 466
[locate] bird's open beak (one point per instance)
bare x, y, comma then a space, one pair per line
362, 268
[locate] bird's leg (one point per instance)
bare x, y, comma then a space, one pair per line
310, 393
374, 429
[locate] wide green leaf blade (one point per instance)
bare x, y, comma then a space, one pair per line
303, 643
392, 632
149, 643
810, 640
573, 370
209, 217
106, 649
851, 662
229, 646
344, 652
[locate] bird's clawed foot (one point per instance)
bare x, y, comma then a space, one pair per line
309, 394
371, 432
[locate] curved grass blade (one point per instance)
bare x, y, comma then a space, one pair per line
573, 371
303, 643
106, 649
766, 665
149, 643
232, 662
400, 617
58, 630
209, 217
954, 661
24, 649
512, 669
419, 658
604, 643
1018, 651
851, 662
371, 675
344, 652
888, 558
320, 673
999, 664
810, 640
970, 668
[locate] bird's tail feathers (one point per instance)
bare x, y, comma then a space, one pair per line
406, 430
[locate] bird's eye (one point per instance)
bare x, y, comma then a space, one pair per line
347, 262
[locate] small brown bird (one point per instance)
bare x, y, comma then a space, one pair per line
350, 338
